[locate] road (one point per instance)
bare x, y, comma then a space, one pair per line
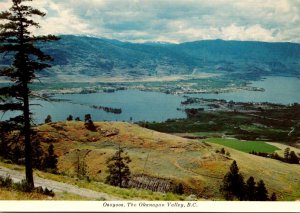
56, 186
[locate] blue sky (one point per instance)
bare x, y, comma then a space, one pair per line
172, 20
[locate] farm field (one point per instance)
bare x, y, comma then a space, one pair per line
245, 146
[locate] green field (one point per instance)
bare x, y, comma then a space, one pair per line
244, 146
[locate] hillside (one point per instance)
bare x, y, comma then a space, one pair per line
163, 157
80, 58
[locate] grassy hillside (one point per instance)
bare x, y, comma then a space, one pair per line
194, 163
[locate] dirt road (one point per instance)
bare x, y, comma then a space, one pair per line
56, 186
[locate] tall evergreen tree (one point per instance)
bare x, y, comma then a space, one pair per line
17, 41
250, 189
119, 172
261, 191
233, 183
50, 161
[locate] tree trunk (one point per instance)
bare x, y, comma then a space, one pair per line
26, 111
27, 133
120, 175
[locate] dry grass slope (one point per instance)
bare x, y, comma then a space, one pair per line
193, 163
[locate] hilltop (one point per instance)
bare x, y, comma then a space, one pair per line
163, 158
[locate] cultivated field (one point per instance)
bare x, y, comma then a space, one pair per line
245, 146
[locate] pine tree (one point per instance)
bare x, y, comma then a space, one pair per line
37, 153
81, 170
48, 119
70, 118
273, 197
88, 123
250, 189
261, 191
17, 40
50, 161
233, 183
119, 172
87, 117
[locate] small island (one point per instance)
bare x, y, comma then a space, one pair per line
108, 109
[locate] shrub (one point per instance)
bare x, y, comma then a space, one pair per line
178, 189
39, 190
222, 151
5, 181
48, 192
273, 197
45, 191
23, 186
293, 159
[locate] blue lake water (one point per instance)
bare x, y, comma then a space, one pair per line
138, 105
282, 90
155, 106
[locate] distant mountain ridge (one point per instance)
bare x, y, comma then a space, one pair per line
85, 56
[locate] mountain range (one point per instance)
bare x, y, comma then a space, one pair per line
78, 57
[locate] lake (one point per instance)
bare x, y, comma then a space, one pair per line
282, 90
155, 106
135, 104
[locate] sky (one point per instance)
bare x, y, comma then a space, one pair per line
173, 21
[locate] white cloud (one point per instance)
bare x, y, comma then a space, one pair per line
255, 32
173, 20
59, 20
